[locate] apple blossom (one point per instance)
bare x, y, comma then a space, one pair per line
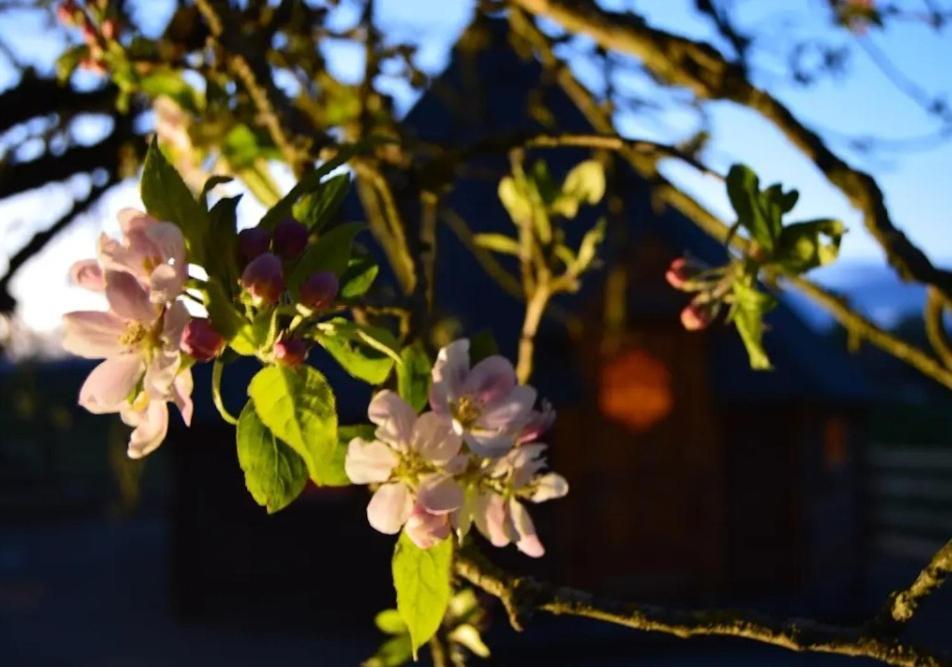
485, 404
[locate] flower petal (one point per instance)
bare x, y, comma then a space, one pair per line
449, 373
528, 542
427, 529
92, 334
109, 385
174, 323
490, 380
440, 494
87, 273
151, 425
510, 411
434, 439
389, 508
168, 278
128, 299
489, 444
394, 418
368, 462
548, 487
182, 395
490, 516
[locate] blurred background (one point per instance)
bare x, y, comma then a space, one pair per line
811, 490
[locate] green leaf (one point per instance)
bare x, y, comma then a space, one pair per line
413, 375
585, 184
330, 252
366, 352
274, 474
224, 317
309, 183
171, 84
588, 249
222, 235
69, 60
240, 147
213, 182
390, 622
394, 652
166, 197
753, 210
297, 404
315, 210
747, 312
497, 243
257, 335
468, 636
802, 246
358, 277
514, 198
421, 578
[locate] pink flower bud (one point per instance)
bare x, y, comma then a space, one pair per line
290, 238
678, 274
695, 317
319, 291
290, 351
200, 340
263, 279
252, 243
108, 29
65, 12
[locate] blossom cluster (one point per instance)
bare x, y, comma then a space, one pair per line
472, 459
143, 277
709, 286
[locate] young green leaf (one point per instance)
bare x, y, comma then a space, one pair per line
747, 313
314, 210
274, 474
390, 622
330, 252
358, 277
588, 249
298, 406
166, 197
743, 189
497, 243
394, 652
802, 246
309, 183
512, 194
421, 578
413, 375
366, 352
585, 184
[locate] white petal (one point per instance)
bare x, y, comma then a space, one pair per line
92, 334
449, 374
434, 438
491, 379
389, 508
128, 299
527, 542
110, 384
151, 426
394, 417
491, 516
510, 411
368, 462
440, 494
548, 487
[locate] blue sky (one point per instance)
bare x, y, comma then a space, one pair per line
862, 102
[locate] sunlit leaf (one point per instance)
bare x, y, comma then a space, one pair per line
421, 578
274, 474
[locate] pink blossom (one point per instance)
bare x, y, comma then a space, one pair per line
87, 273
695, 317
485, 404
150, 250
200, 340
413, 459
263, 279
677, 274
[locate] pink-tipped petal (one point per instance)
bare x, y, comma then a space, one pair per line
369, 462
449, 373
128, 299
491, 516
109, 385
490, 380
132, 220
394, 419
173, 325
527, 541
434, 439
167, 279
182, 395
426, 529
390, 507
509, 412
489, 444
151, 425
91, 334
440, 494
88, 274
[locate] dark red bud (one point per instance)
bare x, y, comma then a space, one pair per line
252, 243
290, 238
263, 279
200, 340
319, 291
290, 352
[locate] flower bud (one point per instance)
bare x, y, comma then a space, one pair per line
263, 279
696, 316
108, 29
290, 351
66, 12
200, 340
319, 291
678, 274
290, 238
252, 243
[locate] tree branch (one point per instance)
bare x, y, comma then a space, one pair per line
903, 604
702, 69
522, 596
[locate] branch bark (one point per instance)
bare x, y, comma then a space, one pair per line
703, 70
523, 596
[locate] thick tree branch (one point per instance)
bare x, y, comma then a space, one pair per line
903, 604
34, 96
702, 69
522, 596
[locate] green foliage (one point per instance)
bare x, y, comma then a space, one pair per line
366, 352
310, 183
359, 275
801, 245
316, 209
274, 474
585, 184
421, 578
748, 307
298, 406
166, 197
413, 375
256, 335
330, 252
